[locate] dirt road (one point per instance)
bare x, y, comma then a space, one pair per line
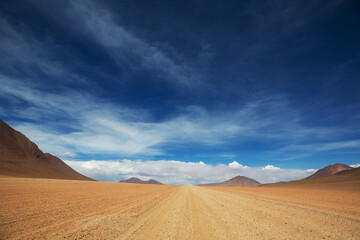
58, 209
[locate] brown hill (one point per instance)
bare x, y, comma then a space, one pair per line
238, 181
19, 157
329, 170
137, 180
344, 180
347, 174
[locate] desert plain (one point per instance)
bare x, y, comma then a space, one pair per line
74, 209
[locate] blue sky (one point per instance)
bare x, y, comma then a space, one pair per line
102, 83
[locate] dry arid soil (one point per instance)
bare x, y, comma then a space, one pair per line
70, 209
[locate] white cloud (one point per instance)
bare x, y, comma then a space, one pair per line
176, 172
355, 165
270, 167
235, 164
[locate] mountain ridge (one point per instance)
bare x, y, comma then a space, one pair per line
20, 157
139, 181
238, 181
328, 171
346, 179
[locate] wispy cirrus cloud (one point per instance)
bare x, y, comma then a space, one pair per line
96, 22
66, 154
95, 126
227, 155
187, 173
324, 146
25, 56
108, 129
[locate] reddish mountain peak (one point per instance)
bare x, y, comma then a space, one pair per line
241, 181
137, 180
238, 181
134, 179
329, 170
239, 178
152, 181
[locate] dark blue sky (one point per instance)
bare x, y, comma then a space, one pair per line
257, 82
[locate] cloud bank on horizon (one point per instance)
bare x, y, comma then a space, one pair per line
182, 173
259, 84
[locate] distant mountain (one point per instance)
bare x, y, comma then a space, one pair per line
137, 180
343, 180
238, 181
329, 170
19, 157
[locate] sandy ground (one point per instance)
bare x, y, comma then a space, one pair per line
58, 209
